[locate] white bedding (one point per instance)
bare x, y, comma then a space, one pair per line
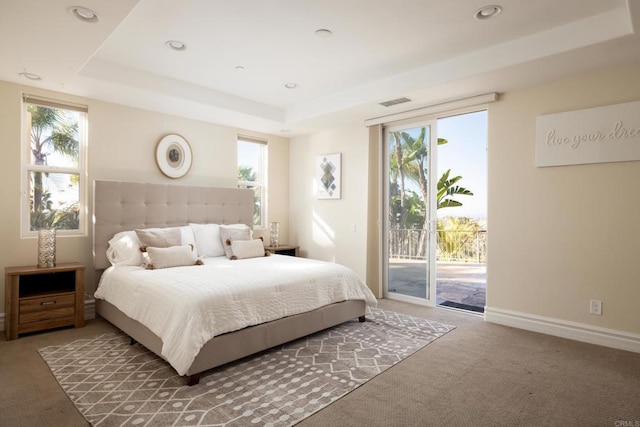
187, 306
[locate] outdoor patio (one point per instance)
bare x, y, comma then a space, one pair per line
457, 282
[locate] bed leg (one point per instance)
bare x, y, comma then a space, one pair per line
361, 319
193, 379
132, 342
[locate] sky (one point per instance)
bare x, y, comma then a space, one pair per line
249, 155
466, 155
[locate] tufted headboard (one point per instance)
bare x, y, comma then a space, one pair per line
120, 206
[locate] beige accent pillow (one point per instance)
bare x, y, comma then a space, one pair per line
174, 256
247, 249
231, 233
159, 237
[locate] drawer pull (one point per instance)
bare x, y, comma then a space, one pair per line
48, 302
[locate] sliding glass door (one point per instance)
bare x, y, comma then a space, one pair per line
410, 199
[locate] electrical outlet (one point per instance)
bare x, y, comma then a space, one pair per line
595, 307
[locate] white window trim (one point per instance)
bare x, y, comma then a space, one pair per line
25, 167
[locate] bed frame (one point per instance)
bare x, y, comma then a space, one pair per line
120, 206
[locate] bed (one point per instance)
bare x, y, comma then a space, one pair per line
264, 322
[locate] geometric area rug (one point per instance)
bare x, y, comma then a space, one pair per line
113, 383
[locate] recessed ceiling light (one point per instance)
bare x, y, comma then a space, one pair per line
291, 85
176, 44
29, 76
84, 14
323, 33
487, 12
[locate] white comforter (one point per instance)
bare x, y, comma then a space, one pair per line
187, 306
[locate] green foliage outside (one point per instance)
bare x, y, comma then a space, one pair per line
53, 132
461, 239
408, 208
247, 174
409, 165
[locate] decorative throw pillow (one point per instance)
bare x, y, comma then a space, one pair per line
207, 238
174, 256
231, 233
124, 249
159, 237
248, 249
188, 238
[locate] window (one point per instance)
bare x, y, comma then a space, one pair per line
53, 166
252, 173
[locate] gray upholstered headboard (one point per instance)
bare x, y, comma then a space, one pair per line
120, 206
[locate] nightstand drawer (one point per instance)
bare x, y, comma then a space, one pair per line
47, 307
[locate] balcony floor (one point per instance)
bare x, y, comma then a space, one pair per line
461, 283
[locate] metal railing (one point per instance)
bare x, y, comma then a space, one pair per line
461, 246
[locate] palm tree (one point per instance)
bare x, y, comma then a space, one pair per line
447, 189
416, 163
398, 175
51, 131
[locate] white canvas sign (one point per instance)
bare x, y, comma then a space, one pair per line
594, 135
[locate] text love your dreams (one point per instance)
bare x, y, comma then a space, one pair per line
618, 132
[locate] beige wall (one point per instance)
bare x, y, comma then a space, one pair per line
558, 237
561, 236
122, 143
323, 228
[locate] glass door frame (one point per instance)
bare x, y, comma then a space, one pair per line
430, 297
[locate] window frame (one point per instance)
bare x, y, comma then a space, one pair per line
27, 167
262, 182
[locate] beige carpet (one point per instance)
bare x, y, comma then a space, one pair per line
113, 383
480, 375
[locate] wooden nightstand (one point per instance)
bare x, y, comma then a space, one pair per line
43, 298
290, 250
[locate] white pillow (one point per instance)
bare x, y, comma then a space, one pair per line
173, 256
231, 233
207, 238
247, 249
124, 249
188, 238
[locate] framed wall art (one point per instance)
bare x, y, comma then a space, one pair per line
328, 176
173, 156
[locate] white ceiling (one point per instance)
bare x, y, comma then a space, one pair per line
429, 51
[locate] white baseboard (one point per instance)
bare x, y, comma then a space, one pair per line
565, 329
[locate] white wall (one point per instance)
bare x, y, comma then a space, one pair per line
121, 146
322, 228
